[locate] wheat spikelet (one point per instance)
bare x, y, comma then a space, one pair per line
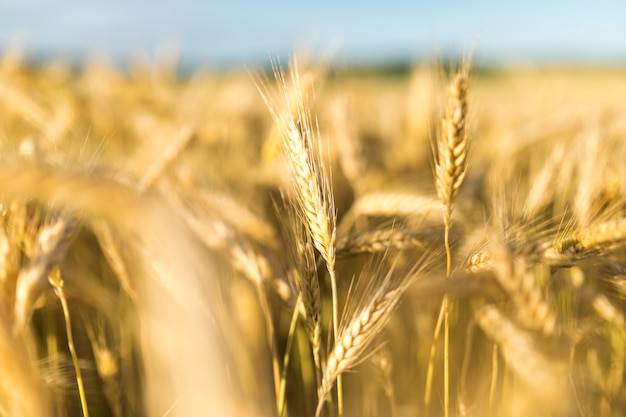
179, 140
480, 261
450, 161
232, 211
519, 282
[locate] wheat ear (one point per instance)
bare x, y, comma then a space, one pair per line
520, 351
518, 281
358, 334
597, 236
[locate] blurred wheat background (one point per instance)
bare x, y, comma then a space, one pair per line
435, 237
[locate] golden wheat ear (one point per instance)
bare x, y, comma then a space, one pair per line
383, 291
309, 179
452, 142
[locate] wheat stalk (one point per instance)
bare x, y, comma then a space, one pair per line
56, 281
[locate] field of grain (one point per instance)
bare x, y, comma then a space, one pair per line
309, 241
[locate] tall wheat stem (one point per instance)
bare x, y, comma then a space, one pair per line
446, 319
286, 357
57, 283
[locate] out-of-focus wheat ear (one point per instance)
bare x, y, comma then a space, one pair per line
392, 204
608, 311
518, 281
53, 240
595, 238
545, 376
217, 235
22, 393
480, 261
111, 248
179, 140
373, 241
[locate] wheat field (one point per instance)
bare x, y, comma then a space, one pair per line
441, 240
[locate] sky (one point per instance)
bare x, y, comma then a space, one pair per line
244, 33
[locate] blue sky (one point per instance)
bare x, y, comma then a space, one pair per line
240, 33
